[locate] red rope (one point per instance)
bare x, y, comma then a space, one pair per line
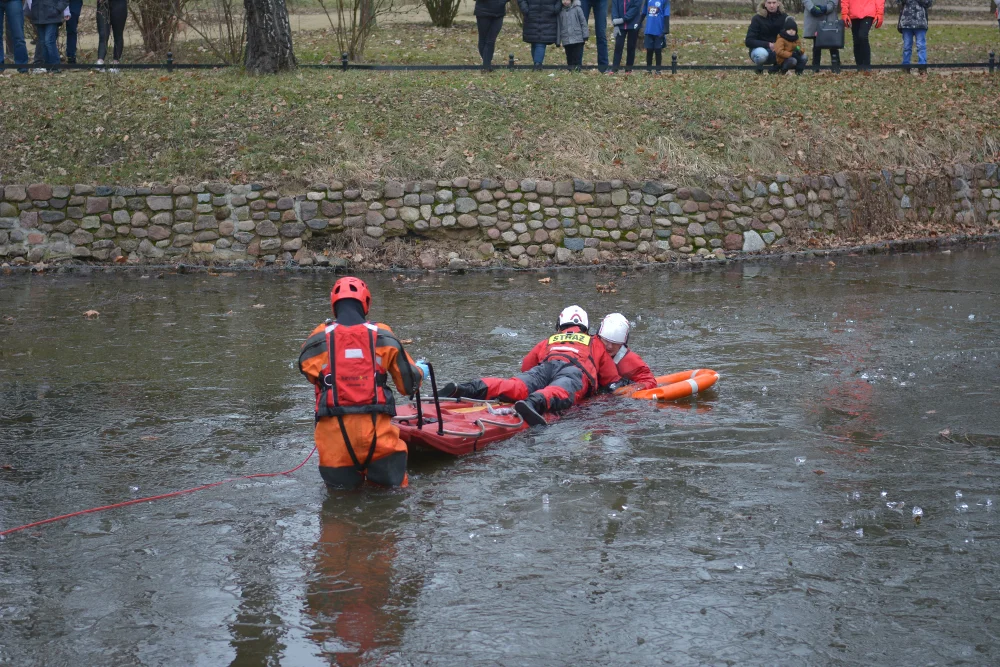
4, 533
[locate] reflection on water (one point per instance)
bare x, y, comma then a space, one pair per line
770, 521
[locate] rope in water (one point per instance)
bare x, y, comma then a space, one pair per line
4, 533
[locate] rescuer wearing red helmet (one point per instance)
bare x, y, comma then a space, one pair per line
558, 372
349, 360
614, 333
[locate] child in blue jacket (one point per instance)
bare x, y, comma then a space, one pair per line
626, 17
657, 13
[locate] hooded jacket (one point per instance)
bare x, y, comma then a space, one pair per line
572, 26
811, 24
913, 14
541, 20
764, 27
859, 9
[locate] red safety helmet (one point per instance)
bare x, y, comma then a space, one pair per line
351, 288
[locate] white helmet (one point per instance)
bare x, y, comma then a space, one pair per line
573, 315
614, 329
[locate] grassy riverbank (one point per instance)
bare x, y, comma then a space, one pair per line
88, 127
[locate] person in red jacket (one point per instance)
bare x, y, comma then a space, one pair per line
559, 371
633, 370
860, 16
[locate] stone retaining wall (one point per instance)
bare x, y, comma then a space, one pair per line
529, 222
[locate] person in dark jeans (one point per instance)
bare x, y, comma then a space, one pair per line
860, 16
75, 7
600, 8
111, 18
47, 15
12, 11
489, 19
626, 16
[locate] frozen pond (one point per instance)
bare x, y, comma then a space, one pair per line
769, 522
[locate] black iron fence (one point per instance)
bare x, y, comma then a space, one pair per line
345, 65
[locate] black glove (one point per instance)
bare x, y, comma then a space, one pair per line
818, 10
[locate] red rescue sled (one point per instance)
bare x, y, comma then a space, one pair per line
465, 425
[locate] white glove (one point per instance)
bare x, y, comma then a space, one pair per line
617, 21
27, 4
66, 14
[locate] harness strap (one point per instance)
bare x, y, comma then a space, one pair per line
576, 362
360, 467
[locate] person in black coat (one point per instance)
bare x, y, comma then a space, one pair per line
541, 24
489, 19
763, 30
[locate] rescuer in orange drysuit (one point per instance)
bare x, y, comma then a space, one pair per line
558, 372
354, 432
634, 371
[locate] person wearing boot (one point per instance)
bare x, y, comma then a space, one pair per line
349, 361
820, 13
787, 52
559, 371
913, 26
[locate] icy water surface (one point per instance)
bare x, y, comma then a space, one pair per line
770, 522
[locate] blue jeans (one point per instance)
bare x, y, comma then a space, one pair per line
908, 36
537, 53
13, 11
75, 6
761, 56
600, 8
47, 35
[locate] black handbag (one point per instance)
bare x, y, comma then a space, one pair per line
830, 35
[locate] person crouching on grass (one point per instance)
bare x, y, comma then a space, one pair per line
787, 52
572, 33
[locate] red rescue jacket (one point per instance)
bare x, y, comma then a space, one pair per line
634, 369
579, 349
353, 379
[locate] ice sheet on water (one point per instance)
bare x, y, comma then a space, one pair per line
958, 494
799, 460
917, 512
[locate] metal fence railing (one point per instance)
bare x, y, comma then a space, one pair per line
345, 65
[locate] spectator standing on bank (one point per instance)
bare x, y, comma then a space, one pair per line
489, 19
75, 7
860, 16
913, 25
541, 23
820, 13
111, 18
626, 17
763, 30
47, 15
600, 8
573, 33
657, 14
12, 13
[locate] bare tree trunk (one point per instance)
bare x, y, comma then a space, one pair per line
369, 16
269, 37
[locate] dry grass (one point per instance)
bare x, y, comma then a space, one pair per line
364, 126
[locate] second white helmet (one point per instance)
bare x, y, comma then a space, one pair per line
574, 315
614, 329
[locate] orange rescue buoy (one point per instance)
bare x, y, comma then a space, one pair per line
679, 385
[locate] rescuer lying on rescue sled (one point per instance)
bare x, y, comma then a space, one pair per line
558, 372
348, 360
614, 333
